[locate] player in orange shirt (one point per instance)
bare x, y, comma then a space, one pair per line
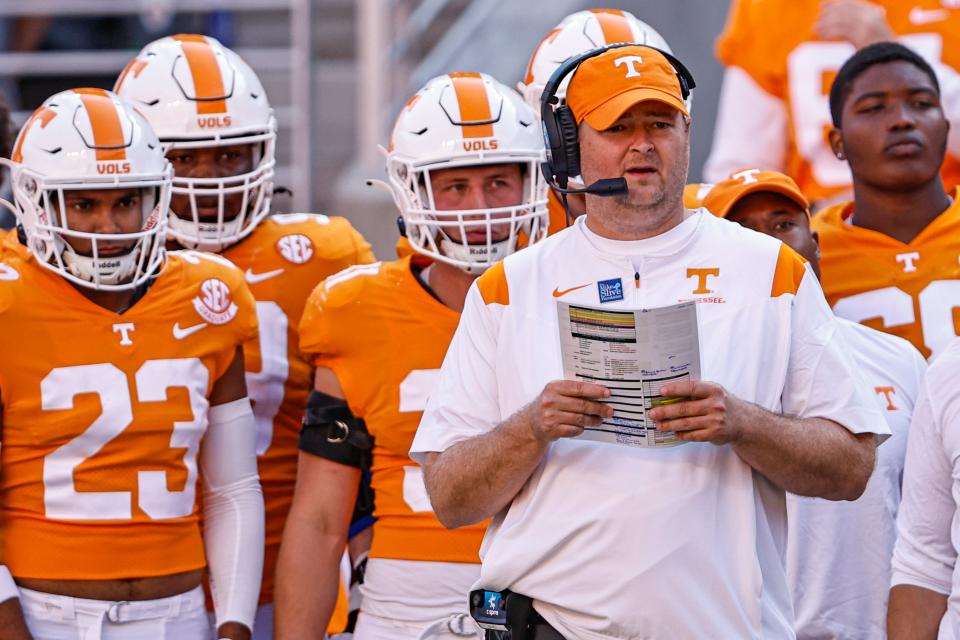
463, 166
890, 256
121, 384
781, 57
211, 113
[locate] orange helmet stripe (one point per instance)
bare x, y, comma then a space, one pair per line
135, 66
207, 79
528, 78
43, 115
105, 122
474, 104
615, 26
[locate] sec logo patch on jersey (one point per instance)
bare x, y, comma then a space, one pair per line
296, 248
215, 302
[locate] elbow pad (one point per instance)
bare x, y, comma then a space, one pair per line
233, 531
331, 431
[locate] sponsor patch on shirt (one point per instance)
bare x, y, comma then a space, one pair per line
610, 290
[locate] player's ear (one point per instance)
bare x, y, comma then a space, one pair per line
835, 138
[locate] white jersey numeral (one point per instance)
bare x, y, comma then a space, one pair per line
154, 378
415, 390
265, 387
896, 307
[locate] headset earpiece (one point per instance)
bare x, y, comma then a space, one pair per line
570, 139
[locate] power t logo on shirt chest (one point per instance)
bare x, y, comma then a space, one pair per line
703, 283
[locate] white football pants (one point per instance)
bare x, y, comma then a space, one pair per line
456, 627
54, 617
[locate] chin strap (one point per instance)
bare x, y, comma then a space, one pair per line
204, 236
480, 257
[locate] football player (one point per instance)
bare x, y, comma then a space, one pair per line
781, 56
838, 553
576, 34
890, 256
463, 167
121, 383
212, 115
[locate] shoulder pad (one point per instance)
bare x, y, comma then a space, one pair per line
346, 286
332, 237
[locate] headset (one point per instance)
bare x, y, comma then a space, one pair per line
560, 131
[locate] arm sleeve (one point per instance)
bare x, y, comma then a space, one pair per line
465, 402
924, 555
233, 532
822, 379
746, 137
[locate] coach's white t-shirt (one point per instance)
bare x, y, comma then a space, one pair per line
928, 524
838, 552
620, 542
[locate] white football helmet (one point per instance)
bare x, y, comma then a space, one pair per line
197, 93
90, 139
465, 120
576, 34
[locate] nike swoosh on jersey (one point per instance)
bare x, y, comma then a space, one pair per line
180, 334
919, 15
8, 273
558, 294
254, 278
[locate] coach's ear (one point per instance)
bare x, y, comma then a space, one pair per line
835, 138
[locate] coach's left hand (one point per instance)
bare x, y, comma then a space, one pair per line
708, 414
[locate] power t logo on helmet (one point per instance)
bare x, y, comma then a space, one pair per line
198, 94
90, 139
466, 120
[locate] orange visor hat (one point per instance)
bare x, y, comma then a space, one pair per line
726, 194
605, 86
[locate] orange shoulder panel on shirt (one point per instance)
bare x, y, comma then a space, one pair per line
493, 285
789, 272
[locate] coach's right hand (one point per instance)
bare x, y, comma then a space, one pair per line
564, 408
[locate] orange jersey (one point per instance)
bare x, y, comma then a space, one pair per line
103, 416
909, 290
773, 41
385, 336
283, 260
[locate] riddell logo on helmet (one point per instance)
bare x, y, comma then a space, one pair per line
113, 168
480, 145
214, 122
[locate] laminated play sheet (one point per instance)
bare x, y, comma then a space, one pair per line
632, 353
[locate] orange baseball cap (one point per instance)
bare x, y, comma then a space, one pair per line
727, 193
605, 86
